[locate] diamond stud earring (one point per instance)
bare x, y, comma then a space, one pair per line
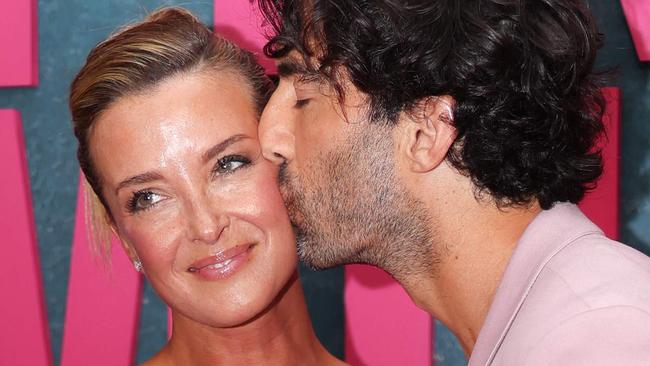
138, 265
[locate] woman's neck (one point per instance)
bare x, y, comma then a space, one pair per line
281, 335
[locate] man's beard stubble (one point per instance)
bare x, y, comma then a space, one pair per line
347, 207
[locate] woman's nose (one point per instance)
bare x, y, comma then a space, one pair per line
276, 131
206, 224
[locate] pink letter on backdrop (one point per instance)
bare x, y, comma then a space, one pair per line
637, 14
383, 326
601, 205
24, 339
241, 22
103, 307
19, 43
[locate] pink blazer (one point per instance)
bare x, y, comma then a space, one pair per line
569, 296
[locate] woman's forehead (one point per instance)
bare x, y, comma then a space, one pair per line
183, 115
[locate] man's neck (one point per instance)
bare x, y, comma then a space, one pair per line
474, 241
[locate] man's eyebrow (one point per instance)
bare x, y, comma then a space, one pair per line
290, 67
220, 147
138, 179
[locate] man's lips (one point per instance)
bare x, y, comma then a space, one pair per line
221, 259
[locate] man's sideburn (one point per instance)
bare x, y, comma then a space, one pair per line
347, 206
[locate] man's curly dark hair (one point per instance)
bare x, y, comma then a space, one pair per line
528, 104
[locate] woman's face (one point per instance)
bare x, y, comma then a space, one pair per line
192, 197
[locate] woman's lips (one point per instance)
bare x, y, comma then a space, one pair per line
223, 264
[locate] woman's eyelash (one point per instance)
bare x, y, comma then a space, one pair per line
142, 200
146, 198
230, 163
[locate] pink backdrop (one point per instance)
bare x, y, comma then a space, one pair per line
25, 339
103, 303
637, 14
19, 43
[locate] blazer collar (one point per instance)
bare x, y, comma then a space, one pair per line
547, 234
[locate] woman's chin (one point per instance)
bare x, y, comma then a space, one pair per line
226, 314
255, 290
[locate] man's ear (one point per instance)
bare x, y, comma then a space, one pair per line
429, 133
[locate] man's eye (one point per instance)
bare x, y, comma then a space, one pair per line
300, 103
230, 163
143, 200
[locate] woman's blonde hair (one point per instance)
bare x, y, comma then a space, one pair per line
167, 42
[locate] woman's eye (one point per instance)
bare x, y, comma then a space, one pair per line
230, 163
143, 200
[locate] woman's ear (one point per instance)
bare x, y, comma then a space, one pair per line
430, 133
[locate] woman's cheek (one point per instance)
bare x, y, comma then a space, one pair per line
259, 199
154, 238
267, 190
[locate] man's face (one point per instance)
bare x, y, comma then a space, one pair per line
337, 176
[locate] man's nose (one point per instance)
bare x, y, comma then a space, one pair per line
276, 131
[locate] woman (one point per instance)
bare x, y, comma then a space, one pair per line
166, 118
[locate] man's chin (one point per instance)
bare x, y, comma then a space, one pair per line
296, 218
315, 253
306, 251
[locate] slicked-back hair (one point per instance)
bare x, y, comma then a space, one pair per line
166, 43
528, 105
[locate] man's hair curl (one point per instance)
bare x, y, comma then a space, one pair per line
528, 106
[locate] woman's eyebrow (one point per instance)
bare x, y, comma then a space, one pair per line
207, 156
138, 179
218, 148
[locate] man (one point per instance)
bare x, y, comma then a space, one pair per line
447, 143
